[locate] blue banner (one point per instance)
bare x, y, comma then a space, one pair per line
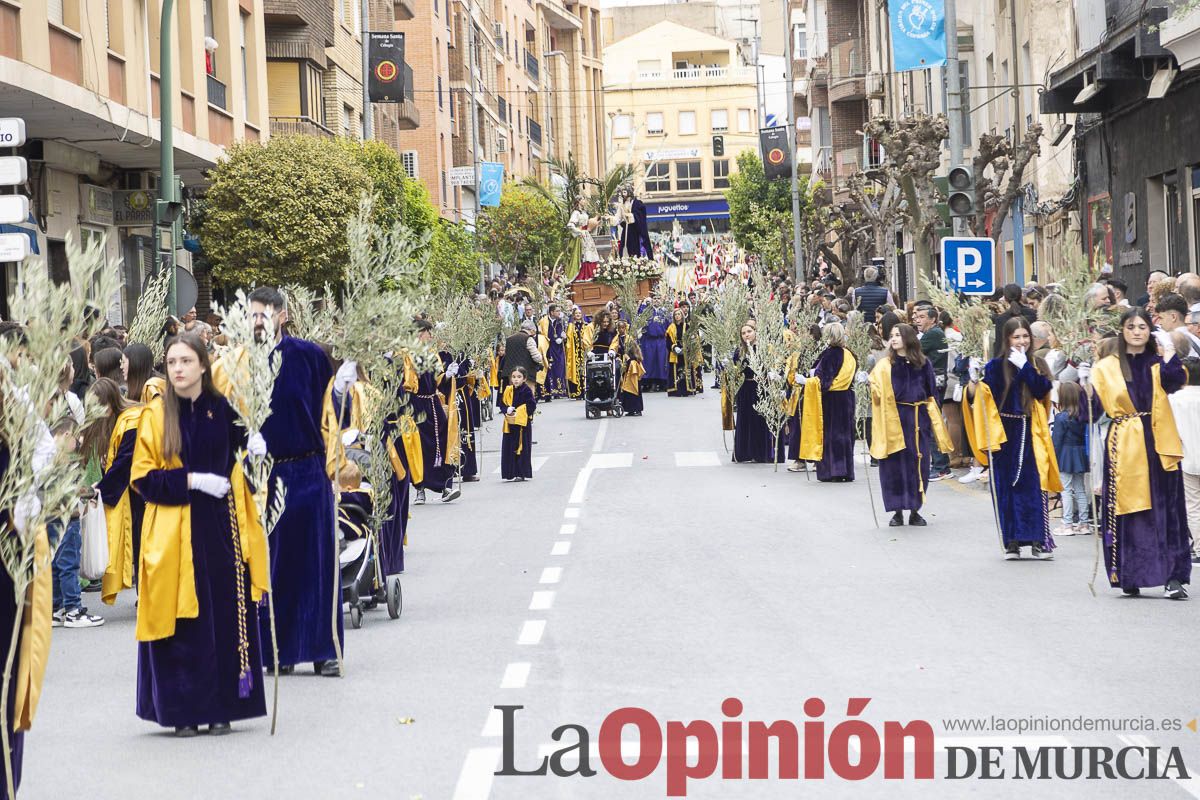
918, 34
491, 178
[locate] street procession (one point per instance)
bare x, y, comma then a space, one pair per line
768, 394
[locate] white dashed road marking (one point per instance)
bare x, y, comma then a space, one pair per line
531, 631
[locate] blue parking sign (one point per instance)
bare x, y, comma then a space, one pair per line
969, 264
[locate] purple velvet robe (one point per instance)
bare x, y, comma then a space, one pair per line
654, 348
194, 677
432, 424
1153, 546
752, 439
305, 578
904, 476
8, 615
556, 375
1016, 485
391, 533
837, 413
512, 463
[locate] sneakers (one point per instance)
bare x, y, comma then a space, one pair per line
798, 466
1066, 530
56, 619
419, 500
1174, 591
79, 618
450, 494
941, 476
1038, 554
975, 473
1012, 552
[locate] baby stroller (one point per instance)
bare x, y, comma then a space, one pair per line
361, 585
602, 386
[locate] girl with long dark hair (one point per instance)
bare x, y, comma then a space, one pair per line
828, 437
204, 556
142, 383
905, 424
752, 439
516, 449
683, 374
1143, 514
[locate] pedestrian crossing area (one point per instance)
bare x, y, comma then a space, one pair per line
689, 458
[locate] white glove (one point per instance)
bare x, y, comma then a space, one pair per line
773, 375
800, 377
470, 363
958, 393
974, 372
862, 377
1017, 358
510, 411
1166, 343
559, 340
208, 483
346, 375
812, 373
677, 350
1085, 372
452, 369
257, 446
975, 364
26, 508
349, 436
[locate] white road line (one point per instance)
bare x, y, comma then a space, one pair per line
542, 601
516, 675
531, 631
598, 442
703, 458
475, 780
610, 460
581, 481
560, 549
571, 513
551, 575
566, 529
494, 725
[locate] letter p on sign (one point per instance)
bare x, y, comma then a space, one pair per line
969, 264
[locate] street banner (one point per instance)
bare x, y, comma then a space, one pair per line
385, 57
776, 156
918, 34
491, 178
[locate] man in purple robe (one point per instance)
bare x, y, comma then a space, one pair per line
654, 349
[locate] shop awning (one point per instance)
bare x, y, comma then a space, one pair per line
689, 209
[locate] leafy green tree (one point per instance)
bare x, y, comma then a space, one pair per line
759, 209
522, 231
276, 212
389, 184
453, 265
419, 213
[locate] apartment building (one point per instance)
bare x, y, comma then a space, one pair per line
671, 92
84, 75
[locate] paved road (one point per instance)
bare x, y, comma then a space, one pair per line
641, 568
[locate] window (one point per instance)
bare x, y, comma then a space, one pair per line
622, 126
658, 177
347, 113
409, 159
355, 12
687, 176
799, 42
444, 193
654, 122
721, 173
745, 121
687, 122
440, 105
209, 29
649, 68
720, 120
56, 13
245, 69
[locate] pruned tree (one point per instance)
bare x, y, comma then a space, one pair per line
1000, 176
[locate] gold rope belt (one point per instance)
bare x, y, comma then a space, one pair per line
1111, 477
916, 407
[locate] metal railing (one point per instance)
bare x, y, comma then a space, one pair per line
302, 125
531, 65
697, 73
846, 60
535, 132
823, 160
502, 108
216, 93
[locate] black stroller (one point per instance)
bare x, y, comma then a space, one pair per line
361, 586
602, 387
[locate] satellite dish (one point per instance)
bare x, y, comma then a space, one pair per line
186, 289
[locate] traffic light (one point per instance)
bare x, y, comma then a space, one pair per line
718, 145
960, 193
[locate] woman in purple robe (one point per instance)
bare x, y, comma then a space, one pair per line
1017, 381
208, 671
1143, 513
654, 350
752, 439
837, 407
904, 473
556, 373
433, 425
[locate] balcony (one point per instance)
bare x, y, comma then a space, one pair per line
408, 117
303, 126
404, 10
558, 17
823, 162
535, 132
216, 93
694, 75
531, 66
847, 71
818, 70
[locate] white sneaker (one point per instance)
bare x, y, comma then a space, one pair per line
79, 618
1065, 530
975, 473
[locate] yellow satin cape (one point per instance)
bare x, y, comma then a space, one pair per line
118, 575
1127, 439
543, 346
35, 636
982, 416
672, 338
812, 421
155, 387
887, 436
519, 419
166, 574
792, 405
631, 378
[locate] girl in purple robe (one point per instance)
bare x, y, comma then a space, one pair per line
910, 383
1017, 381
837, 407
516, 449
433, 424
208, 671
1143, 513
752, 439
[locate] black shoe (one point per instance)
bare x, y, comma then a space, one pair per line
916, 519
1012, 552
327, 669
1134, 592
286, 669
897, 520
187, 731
219, 729
1036, 551
470, 479
1174, 591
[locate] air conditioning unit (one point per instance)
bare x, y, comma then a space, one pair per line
501, 144
95, 205
497, 31
1073, 221
875, 84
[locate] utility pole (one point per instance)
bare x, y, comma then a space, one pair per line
954, 90
167, 209
368, 123
797, 245
760, 91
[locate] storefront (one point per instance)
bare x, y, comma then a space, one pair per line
695, 216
